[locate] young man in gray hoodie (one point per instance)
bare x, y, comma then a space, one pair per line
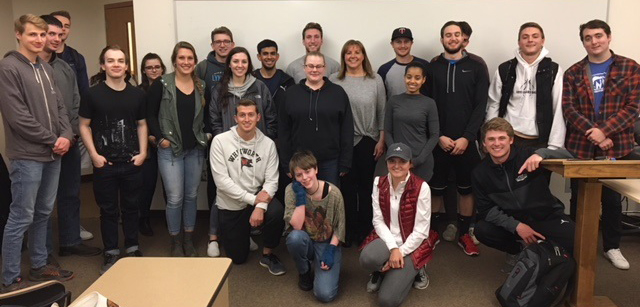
244, 163
38, 133
70, 173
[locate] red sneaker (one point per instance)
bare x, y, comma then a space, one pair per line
433, 239
468, 246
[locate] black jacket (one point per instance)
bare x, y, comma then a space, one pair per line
285, 82
460, 91
319, 121
505, 198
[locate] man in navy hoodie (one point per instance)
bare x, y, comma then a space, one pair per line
38, 133
459, 85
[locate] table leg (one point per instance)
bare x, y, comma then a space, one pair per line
586, 241
586, 245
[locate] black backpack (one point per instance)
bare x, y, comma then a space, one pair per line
538, 277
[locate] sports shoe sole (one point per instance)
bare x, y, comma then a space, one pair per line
614, 265
272, 273
473, 254
421, 287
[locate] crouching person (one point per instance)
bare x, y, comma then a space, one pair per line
244, 164
514, 200
315, 211
397, 250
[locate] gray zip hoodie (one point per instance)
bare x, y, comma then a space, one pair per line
32, 108
65, 78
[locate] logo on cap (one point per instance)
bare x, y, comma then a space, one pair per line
398, 149
402, 30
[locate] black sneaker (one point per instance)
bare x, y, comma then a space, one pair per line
80, 250
49, 272
109, 261
135, 253
17, 284
374, 283
272, 263
305, 281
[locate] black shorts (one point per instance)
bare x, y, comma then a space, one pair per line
462, 164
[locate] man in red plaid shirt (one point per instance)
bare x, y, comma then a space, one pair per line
600, 104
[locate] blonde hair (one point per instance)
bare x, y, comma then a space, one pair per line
23, 20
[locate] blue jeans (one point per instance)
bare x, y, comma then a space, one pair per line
328, 170
181, 179
304, 250
33, 186
68, 201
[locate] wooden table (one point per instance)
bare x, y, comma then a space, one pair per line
587, 216
171, 282
626, 187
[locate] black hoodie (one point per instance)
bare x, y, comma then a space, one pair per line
319, 121
460, 91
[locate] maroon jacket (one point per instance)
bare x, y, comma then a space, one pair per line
408, 208
618, 113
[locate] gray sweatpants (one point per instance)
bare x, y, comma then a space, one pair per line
396, 282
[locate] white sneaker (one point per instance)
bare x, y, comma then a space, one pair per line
449, 234
213, 250
615, 256
253, 246
85, 235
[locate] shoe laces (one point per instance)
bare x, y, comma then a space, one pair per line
375, 276
466, 240
616, 254
51, 271
273, 258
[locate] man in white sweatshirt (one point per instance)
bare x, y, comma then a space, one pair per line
244, 164
527, 92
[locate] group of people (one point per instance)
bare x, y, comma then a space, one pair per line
295, 151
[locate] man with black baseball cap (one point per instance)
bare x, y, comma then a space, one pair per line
392, 72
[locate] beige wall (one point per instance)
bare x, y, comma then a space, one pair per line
624, 22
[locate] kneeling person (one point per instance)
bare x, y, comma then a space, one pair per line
315, 211
514, 199
244, 164
401, 200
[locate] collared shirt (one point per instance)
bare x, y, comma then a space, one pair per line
391, 234
617, 114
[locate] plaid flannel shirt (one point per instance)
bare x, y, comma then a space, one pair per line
618, 112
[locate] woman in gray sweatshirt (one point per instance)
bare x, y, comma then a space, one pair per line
367, 98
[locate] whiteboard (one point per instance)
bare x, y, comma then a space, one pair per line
495, 25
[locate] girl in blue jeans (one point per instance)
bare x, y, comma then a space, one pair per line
175, 116
315, 210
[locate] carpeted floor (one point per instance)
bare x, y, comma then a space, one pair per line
455, 279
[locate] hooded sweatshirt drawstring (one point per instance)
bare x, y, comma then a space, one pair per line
36, 72
316, 106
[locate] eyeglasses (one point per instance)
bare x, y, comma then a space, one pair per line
220, 42
311, 66
157, 67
